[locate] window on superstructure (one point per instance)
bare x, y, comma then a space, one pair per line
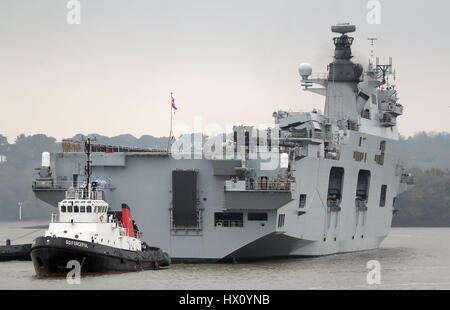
63, 208
302, 201
383, 195
228, 219
365, 113
335, 183
362, 187
69, 208
280, 220
88, 209
82, 209
254, 216
76, 209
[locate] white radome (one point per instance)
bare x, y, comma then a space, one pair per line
305, 70
45, 159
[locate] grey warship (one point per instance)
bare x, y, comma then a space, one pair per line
311, 184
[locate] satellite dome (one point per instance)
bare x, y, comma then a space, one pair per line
305, 70
45, 159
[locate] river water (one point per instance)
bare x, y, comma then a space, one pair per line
410, 258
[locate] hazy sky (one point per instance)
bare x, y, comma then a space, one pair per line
230, 62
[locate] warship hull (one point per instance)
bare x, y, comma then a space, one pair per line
145, 181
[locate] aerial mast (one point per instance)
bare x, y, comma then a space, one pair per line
88, 168
371, 60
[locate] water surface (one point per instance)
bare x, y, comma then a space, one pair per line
410, 258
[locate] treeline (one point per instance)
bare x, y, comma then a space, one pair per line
427, 204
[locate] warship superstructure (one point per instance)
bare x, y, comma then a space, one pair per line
312, 184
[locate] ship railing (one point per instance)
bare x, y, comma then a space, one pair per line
318, 76
334, 204
361, 204
351, 125
271, 185
387, 120
391, 107
229, 223
82, 194
65, 184
408, 179
177, 228
312, 135
268, 185
78, 147
51, 183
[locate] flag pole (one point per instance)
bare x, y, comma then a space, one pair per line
170, 134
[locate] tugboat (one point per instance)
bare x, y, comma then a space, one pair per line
86, 231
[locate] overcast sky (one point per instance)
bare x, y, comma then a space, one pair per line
230, 62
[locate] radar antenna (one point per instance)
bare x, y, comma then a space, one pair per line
88, 167
384, 69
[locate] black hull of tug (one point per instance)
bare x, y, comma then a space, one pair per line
50, 257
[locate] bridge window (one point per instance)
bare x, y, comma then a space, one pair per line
69, 208
63, 208
383, 195
76, 209
88, 209
82, 209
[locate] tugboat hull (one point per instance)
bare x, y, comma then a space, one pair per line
51, 255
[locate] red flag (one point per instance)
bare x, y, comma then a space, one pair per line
173, 104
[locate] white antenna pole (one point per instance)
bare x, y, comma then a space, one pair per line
20, 210
170, 134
